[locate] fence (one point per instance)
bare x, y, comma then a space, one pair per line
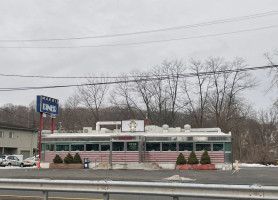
173, 190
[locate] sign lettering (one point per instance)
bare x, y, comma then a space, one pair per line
47, 105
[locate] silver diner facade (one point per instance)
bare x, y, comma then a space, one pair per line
155, 144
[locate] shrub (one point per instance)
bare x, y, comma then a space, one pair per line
205, 159
77, 158
68, 159
181, 159
192, 159
57, 159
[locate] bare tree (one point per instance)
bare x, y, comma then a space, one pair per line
273, 73
174, 70
33, 116
144, 93
72, 119
93, 95
124, 98
197, 91
224, 101
159, 92
266, 136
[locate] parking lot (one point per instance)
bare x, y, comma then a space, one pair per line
245, 176
254, 175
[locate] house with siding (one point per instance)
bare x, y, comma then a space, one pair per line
18, 140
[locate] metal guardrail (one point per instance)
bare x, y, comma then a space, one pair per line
173, 190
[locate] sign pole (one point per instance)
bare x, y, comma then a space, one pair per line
46, 105
52, 125
40, 137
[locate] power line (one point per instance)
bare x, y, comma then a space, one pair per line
54, 77
70, 77
228, 20
150, 78
110, 77
137, 43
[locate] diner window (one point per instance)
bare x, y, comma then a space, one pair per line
11, 135
77, 147
153, 146
169, 146
62, 147
132, 146
203, 146
186, 146
42, 147
227, 146
105, 147
118, 146
218, 147
92, 147
1, 134
49, 147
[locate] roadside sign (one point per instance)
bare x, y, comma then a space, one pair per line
47, 105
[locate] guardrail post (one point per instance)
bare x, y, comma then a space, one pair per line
175, 198
44, 195
105, 196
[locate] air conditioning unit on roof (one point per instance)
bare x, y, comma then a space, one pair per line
87, 129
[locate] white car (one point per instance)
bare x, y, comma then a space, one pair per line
32, 161
10, 160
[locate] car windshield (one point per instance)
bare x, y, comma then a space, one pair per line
2, 156
29, 158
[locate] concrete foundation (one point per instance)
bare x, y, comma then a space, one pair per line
143, 166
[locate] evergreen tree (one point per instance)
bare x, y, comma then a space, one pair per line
192, 159
181, 159
68, 159
57, 159
205, 159
77, 158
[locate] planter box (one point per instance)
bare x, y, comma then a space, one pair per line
196, 167
206, 167
183, 167
65, 166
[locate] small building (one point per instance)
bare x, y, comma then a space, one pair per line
18, 140
130, 144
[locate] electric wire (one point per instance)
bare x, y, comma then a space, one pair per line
162, 77
228, 20
147, 79
121, 77
138, 43
58, 77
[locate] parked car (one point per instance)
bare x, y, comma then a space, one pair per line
32, 161
10, 160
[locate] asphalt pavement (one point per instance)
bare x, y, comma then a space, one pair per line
245, 176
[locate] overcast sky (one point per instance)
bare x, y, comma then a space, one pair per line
49, 19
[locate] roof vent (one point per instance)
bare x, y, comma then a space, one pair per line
187, 128
165, 128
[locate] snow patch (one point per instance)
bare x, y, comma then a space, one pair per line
17, 167
178, 178
254, 165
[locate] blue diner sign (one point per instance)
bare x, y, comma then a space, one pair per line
47, 105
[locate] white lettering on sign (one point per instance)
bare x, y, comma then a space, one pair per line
48, 107
50, 99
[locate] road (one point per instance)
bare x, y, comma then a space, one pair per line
245, 176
